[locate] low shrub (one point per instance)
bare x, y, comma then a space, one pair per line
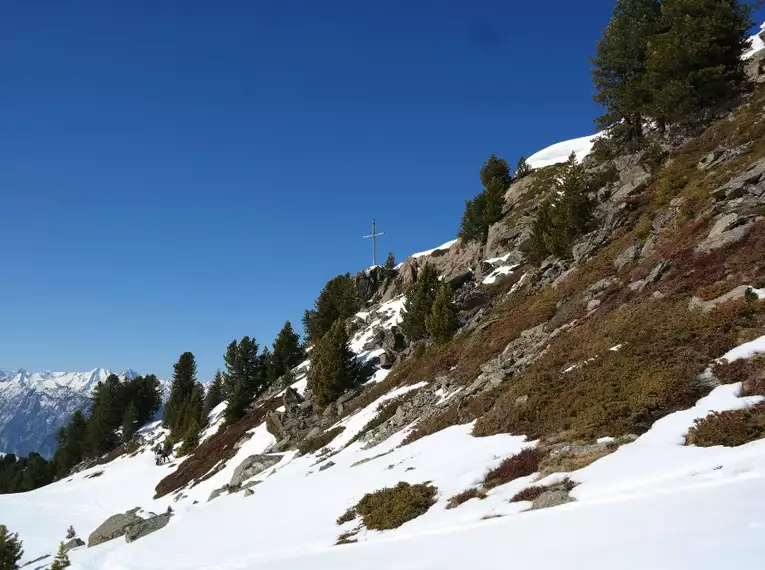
522, 464
749, 371
313, 444
731, 428
393, 506
465, 496
347, 516
536, 491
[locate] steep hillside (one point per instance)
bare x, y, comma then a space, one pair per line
599, 408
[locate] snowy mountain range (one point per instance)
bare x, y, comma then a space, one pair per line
36, 404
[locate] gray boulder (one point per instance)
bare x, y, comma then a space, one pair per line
627, 256
73, 543
551, 498
145, 527
251, 466
112, 528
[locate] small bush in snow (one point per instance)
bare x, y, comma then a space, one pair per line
465, 496
731, 428
393, 506
522, 464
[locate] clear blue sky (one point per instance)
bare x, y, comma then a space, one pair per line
177, 174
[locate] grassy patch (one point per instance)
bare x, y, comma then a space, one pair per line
393, 506
565, 462
731, 429
313, 444
465, 496
522, 464
665, 348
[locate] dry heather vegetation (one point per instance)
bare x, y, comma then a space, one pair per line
666, 345
316, 443
393, 506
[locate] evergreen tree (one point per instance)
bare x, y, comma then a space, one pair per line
619, 69
565, 215
390, 262
146, 394
287, 353
245, 377
72, 444
441, 323
523, 168
695, 61
70, 533
495, 168
419, 300
486, 208
129, 422
334, 369
214, 394
10, 549
338, 300
62, 560
184, 381
190, 440
37, 472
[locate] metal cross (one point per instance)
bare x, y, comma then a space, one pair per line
373, 237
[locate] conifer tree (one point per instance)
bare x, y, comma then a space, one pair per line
338, 300
287, 351
495, 168
145, 392
214, 394
695, 61
129, 422
37, 472
441, 323
70, 533
62, 559
184, 382
72, 444
523, 168
619, 69
390, 262
419, 301
334, 369
485, 208
245, 377
10, 549
565, 215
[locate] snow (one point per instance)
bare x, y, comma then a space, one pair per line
652, 504
446, 245
387, 315
560, 152
756, 43
746, 350
498, 272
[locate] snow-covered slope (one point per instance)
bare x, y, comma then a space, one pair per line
33, 406
560, 152
654, 503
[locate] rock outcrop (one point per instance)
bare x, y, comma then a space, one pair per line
113, 527
146, 527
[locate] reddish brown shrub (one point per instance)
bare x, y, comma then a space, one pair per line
465, 496
731, 428
521, 465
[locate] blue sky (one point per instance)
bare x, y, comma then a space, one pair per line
177, 174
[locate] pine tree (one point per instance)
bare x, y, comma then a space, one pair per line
419, 300
245, 377
287, 351
184, 381
37, 472
214, 394
72, 444
338, 300
145, 392
485, 208
390, 262
10, 549
334, 369
70, 533
495, 168
523, 168
62, 559
695, 61
129, 422
565, 215
619, 69
441, 323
